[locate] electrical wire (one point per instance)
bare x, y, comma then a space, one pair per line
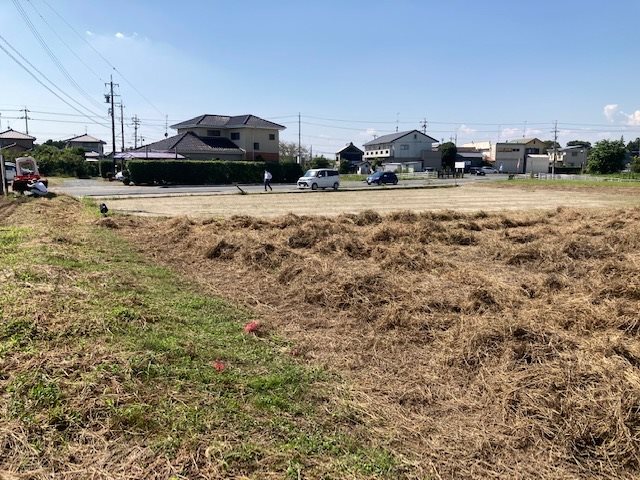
4, 49
53, 57
103, 57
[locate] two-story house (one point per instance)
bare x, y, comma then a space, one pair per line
412, 150
350, 154
223, 137
512, 156
93, 147
17, 141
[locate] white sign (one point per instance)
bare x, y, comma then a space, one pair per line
460, 165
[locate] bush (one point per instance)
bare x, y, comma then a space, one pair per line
635, 165
192, 172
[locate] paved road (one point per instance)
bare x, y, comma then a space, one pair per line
100, 188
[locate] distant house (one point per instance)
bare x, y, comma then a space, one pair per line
351, 154
16, 141
93, 147
223, 137
572, 157
486, 148
512, 155
410, 150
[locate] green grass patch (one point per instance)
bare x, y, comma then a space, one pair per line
96, 338
567, 183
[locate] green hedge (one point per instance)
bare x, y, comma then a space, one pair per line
191, 172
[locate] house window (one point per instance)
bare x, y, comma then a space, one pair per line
256, 146
415, 136
404, 147
213, 133
574, 154
272, 136
235, 135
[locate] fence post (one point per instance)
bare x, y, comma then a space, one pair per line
2, 175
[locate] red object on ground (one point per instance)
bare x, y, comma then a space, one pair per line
218, 365
251, 327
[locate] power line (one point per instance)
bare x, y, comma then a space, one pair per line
64, 42
40, 81
52, 56
103, 58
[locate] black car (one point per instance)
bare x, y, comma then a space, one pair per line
382, 177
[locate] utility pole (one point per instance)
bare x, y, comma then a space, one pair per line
166, 126
109, 99
555, 149
122, 124
26, 120
136, 121
423, 125
299, 140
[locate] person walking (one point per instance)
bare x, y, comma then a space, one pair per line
267, 180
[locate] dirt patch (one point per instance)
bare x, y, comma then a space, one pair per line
481, 345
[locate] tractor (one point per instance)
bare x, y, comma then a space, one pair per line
27, 175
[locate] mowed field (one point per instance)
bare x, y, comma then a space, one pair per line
467, 198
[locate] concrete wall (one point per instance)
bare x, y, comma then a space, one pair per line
537, 164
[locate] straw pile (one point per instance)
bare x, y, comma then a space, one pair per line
480, 346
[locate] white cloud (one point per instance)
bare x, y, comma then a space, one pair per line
89, 33
610, 111
633, 118
119, 35
466, 130
369, 132
511, 132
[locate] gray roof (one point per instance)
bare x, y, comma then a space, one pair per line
15, 135
392, 137
523, 141
226, 121
189, 142
572, 147
85, 139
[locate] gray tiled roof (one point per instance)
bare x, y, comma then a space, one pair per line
392, 137
85, 139
190, 143
523, 141
225, 121
15, 135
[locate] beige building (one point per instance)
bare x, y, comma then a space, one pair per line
486, 148
511, 156
259, 139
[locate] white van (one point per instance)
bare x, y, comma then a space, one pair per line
320, 178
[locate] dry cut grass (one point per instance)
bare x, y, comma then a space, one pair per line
480, 345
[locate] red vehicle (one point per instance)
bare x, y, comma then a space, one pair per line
26, 174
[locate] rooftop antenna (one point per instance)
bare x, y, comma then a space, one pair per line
397, 120
423, 125
166, 126
524, 132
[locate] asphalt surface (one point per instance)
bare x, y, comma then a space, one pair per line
101, 188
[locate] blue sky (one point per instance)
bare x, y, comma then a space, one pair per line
478, 70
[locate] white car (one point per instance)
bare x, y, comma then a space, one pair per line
489, 170
320, 178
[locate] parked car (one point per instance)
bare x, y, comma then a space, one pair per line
382, 177
477, 171
320, 178
488, 170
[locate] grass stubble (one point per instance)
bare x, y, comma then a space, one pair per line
477, 345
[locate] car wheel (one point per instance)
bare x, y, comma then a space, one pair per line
368, 183
395, 182
336, 185
314, 186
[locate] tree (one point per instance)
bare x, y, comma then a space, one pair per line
56, 143
320, 162
579, 143
344, 167
634, 146
289, 151
448, 152
635, 165
608, 156
548, 144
